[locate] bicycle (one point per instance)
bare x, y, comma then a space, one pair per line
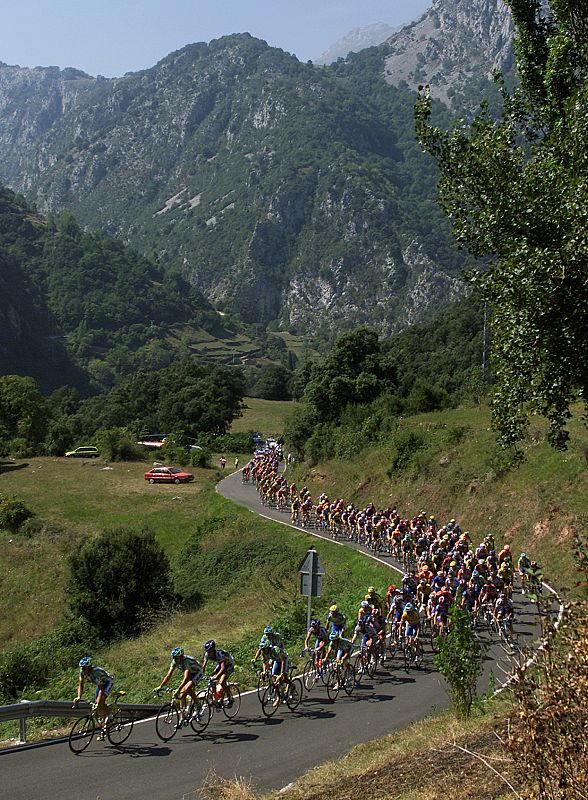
197, 714
282, 689
230, 702
263, 677
365, 663
412, 652
340, 677
117, 727
313, 670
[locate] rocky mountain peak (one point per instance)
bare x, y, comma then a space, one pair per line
454, 42
356, 40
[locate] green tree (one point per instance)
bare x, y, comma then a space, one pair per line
459, 660
118, 580
23, 410
515, 188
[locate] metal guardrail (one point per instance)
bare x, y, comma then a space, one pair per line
63, 708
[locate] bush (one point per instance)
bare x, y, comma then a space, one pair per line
201, 458
118, 580
34, 526
21, 448
459, 660
407, 445
118, 444
13, 513
175, 454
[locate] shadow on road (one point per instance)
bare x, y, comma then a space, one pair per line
228, 737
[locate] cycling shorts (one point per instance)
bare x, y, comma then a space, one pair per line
411, 630
343, 652
277, 667
105, 688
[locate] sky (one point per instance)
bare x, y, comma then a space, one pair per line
112, 37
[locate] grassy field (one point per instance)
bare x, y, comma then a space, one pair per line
266, 416
248, 567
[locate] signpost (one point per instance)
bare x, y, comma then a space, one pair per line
311, 578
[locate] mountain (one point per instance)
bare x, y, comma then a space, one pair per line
81, 308
285, 193
356, 40
453, 47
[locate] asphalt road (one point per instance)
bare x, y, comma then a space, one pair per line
271, 753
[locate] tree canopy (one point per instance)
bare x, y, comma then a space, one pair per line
516, 189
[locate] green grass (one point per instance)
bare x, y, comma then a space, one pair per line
266, 416
245, 567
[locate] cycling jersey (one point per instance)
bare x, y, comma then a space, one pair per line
321, 635
191, 664
98, 676
411, 618
345, 646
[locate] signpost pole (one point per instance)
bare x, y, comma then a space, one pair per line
311, 571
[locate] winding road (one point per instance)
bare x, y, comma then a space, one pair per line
270, 753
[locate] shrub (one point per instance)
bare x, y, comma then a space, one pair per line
201, 458
459, 660
118, 444
34, 526
13, 513
407, 444
118, 580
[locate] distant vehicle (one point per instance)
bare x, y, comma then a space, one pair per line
83, 452
153, 440
168, 475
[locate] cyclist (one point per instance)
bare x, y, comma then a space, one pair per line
192, 672
523, 566
225, 665
103, 681
503, 609
337, 619
411, 622
265, 650
374, 598
321, 638
343, 648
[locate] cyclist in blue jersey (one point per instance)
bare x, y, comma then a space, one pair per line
192, 672
225, 666
103, 681
321, 638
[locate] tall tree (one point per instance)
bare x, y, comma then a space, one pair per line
516, 189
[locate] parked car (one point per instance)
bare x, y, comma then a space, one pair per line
168, 475
83, 452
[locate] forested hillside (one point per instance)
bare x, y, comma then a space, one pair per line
82, 308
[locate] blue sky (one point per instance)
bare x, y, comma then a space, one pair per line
111, 37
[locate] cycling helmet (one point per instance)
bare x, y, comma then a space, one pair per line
335, 635
86, 661
334, 609
364, 604
507, 547
371, 589
523, 555
533, 563
268, 630
441, 600
315, 623
391, 588
209, 645
408, 607
177, 651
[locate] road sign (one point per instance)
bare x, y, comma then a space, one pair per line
311, 574
311, 578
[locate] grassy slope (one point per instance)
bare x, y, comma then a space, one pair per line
249, 567
457, 473
266, 416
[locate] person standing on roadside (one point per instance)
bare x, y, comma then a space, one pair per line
223, 462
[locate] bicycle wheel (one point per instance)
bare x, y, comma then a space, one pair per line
231, 701
294, 694
406, 653
309, 675
200, 714
372, 663
270, 701
82, 733
434, 640
262, 683
119, 728
358, 668
167, 722
333, 685
348, 679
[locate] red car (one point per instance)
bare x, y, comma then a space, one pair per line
168, 475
